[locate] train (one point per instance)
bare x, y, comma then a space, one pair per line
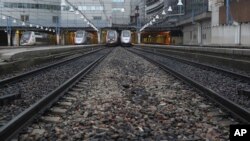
83, 37
126, 38
30, 38
112, 38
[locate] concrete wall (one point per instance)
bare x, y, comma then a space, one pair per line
223, 35
245, 34
190, 33
231, 35
197, 33
177, 40
206, 33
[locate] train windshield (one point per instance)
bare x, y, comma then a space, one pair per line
126, 34
26, 35
111, 34
79, 34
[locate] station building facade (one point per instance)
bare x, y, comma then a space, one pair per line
55, 15
202, 22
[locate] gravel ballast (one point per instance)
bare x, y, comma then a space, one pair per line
128, 98
219, 82
35, 87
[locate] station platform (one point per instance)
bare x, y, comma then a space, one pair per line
228, 50
20, 53
230, 58
15, 59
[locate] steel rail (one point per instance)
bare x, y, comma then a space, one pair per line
7, 98
12, 128
236, 110
206, 66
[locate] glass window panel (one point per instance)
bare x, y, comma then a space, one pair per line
92, 7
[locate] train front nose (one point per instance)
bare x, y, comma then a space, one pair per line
126, 40
111, 40
79, 40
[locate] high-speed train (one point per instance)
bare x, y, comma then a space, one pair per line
34, 38
126, 39
83, 37
112, 38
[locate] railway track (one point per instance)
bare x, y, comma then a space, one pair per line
128, 98
204, 66
5, 98
31, 88
10, 129
199, 76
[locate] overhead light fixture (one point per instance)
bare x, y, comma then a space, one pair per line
163, 12
170, 9
157, 17
42, 27
77, 12
49, 29
46, 29
82, 17
54, 30
23, 24
63, 3
150, 23
37, 26
31, 25
153, 20
180, 3
85, 19
88, 23
14, 21
4, 17
122, 10
71, 9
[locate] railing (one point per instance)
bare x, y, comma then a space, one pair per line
151, 2
154, 5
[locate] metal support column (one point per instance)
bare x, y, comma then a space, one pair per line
99, 36
139, 37
228, 11
17, 38
237, 34
58, 31
199, 33
9, 30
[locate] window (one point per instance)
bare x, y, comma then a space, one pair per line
118, 0
194, 37
20, 5
126, 34
93, 8
111, 34
31, 6
97, 18
25, 18
204, 36
25, 5
99, 8
55, 19
118, 9
88, 8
